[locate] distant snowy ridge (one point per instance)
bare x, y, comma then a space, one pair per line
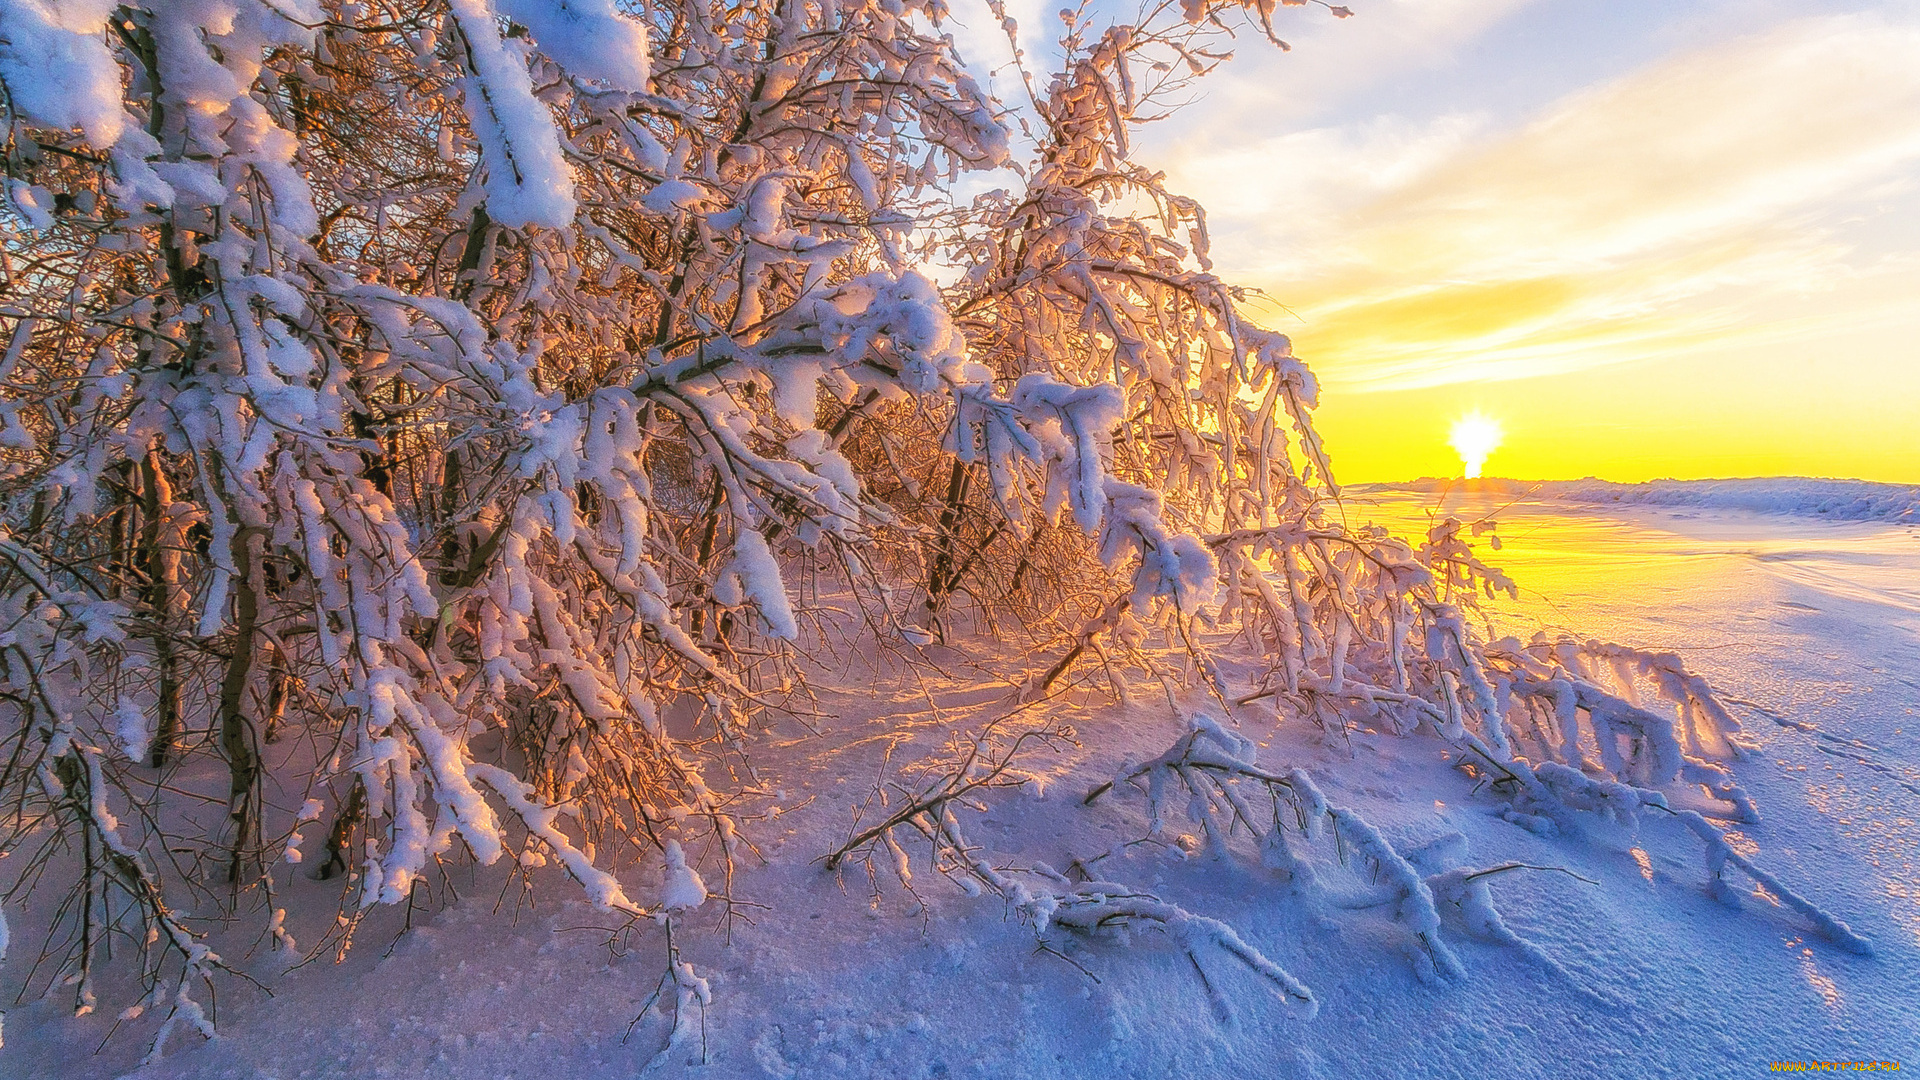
1844, 500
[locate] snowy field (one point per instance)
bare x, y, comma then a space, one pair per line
1835, 500
1811, 628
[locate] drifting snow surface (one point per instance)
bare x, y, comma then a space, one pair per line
1840, 500
1812, 629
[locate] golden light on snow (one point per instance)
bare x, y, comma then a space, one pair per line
1474, 437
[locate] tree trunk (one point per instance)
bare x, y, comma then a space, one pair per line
239, 740
161, 561
940, 579
340, 836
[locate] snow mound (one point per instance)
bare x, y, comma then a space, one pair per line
684, 890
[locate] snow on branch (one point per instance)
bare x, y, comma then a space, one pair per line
1041, 897
1553, 686
1720, 855
1211, 771
528, 182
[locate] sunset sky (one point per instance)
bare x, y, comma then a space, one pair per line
1648, 238
1674, 238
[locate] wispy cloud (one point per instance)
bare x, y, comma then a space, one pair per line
1676, 205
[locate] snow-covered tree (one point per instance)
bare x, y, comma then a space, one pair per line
433, 405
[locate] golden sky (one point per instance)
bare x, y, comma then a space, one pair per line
1650, 239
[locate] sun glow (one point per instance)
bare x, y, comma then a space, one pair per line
1623, 267
1474, 437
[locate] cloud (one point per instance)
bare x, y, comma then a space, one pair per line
1704, 195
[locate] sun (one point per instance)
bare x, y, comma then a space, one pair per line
1474, 437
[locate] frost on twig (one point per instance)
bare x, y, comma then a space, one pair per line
1720, 856
682, 891
1555, 685
1211, 771
1464, 895
1364, 627
1550, 799
65, 789
1041, 897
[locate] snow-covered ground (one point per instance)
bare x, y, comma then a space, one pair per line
1811, 628
1838, 500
